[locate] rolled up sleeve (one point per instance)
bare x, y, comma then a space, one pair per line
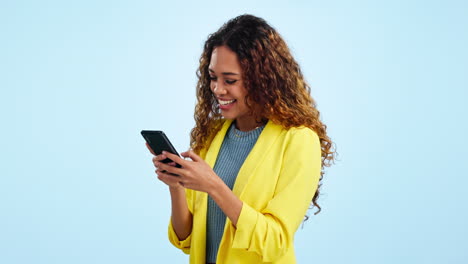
184, 245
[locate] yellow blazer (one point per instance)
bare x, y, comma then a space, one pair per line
276, 184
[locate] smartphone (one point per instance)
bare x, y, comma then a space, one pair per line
159, 142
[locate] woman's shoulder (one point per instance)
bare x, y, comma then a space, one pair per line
296, 138
303, 131
302, 143
302, 137
297, 132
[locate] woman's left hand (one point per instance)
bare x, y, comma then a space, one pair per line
195, 174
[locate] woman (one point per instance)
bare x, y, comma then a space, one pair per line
258, 151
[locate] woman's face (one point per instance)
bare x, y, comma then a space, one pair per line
226, 84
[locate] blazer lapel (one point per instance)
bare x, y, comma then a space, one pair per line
212, 153
264, 142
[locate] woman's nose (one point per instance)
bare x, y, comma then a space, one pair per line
218, 88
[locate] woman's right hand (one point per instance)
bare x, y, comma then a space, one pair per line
171, 180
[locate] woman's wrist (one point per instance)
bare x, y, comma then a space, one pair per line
176, 190
216, 186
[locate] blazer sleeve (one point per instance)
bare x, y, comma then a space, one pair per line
184, 245
270, 232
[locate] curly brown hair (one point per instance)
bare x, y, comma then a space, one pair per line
272, 79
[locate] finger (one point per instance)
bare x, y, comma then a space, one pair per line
149, 148
191, 154
176, 158
167, 178
159, 158
169, 168
185, 154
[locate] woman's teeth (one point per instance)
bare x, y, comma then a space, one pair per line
221, 102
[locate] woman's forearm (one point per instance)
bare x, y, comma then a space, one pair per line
181, 217
227, 201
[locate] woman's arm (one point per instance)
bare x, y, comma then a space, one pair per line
181, 217
269, 230
226, 200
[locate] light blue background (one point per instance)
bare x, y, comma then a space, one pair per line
80, 79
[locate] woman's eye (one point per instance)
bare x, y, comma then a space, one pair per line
231, 82
212, 78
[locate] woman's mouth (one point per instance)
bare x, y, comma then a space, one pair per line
226, 104
222, 102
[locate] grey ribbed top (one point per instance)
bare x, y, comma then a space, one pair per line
232, 154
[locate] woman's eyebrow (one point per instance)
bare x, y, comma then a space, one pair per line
224, 73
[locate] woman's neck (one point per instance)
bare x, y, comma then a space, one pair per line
249, 124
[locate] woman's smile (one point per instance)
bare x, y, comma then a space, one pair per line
226, 104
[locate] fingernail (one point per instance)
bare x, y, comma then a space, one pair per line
164, 152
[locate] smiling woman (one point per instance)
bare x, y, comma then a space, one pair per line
259, 149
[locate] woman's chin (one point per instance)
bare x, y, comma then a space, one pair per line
228, 116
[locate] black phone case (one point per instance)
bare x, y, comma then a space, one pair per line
158, 142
